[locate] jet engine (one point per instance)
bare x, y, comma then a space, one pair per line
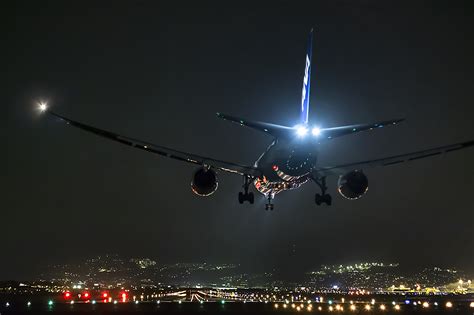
204, 182
353, 185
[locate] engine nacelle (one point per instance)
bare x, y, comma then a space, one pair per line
204, 182
353, 185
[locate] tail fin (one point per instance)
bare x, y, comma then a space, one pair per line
306, 81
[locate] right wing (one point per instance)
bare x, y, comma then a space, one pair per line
391, 160
164, 151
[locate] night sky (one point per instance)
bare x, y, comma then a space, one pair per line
158, 72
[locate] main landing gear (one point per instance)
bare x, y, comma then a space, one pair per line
323, 197
246, 195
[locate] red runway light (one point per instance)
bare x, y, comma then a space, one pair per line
86, 295
67, 295
104, 294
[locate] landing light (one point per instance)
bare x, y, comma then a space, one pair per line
301, 131
316, 131
43, 107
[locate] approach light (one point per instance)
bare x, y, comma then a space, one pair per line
301, 130
316, 131
43, 107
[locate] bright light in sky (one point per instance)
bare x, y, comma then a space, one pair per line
301, 131
43, 107
316, 131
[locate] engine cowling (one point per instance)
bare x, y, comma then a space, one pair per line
353, 185
204, 182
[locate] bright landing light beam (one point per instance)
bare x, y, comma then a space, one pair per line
43, 107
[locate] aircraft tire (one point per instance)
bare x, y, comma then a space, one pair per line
241, 197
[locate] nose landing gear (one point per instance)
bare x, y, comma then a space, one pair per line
246, 195
323, 197
269, 204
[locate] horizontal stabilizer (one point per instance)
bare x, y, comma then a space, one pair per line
334, 132
272, 129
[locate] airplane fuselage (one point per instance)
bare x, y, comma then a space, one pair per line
285, 165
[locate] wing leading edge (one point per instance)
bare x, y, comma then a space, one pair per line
163, 151
391, 160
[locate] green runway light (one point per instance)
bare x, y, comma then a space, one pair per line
222, 302
50, 302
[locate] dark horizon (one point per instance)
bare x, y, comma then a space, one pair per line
160, 72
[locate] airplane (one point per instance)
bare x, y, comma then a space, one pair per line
288, 162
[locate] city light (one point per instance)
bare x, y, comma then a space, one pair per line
382, 307
352, 307
72, 302
331, 308
276, 305
449, 304
298, 308
7, 304
367, 307
472, 304
397, 307
28, 304
426, 304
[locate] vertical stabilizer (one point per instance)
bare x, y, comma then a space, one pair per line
306, 81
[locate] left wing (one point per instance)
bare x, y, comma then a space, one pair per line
391, 160
164, 151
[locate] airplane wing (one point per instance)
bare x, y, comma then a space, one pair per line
334, 132
391, 160
163, 151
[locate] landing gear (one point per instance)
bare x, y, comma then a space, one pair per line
246, 195
323, 197
269, 204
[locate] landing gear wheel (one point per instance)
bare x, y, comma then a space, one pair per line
326, 198
251, 198
269, 204
241, 197
317, 199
